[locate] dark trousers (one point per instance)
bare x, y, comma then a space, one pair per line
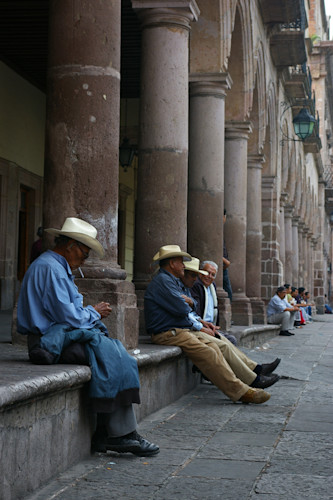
226, 284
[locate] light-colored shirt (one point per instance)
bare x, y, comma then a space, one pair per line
49, 296
209, 314
276, 305
196, 324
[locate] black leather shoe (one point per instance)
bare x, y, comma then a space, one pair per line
263, 381
285, 333
268, 368
147, 449
131, 443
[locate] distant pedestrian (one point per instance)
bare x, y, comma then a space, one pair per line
36, 248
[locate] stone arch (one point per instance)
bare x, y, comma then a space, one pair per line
285, 158
291, 183
241, 63
299, 186
258, 111
270, 145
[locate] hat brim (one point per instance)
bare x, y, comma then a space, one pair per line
90, 242
186, 256
200, 271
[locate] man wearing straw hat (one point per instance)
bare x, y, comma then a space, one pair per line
61, 330
247, 370
167, 320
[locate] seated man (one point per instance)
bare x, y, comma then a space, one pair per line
309, 305
60, 330
328, 309
245, 369
279, 311
204, 292
167, 320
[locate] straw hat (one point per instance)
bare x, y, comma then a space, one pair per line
79, 230
193, 265
168, 251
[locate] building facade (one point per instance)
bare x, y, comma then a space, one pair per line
205, 93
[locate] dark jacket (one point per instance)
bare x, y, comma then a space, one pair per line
198, 293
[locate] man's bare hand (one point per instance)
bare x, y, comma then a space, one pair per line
207, 330
209, 325
188, 300
103, 308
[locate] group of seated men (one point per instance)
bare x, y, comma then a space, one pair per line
173, 317
291, 307
61, 330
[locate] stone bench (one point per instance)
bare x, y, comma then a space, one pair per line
44, 424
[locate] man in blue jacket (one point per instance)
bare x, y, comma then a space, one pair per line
61, 330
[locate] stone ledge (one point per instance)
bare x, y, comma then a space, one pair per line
249, 336
20, 380
45, 418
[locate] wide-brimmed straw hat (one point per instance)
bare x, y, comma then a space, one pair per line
168, 251
79, 230
193, 265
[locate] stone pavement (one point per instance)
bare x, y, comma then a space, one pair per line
212, 448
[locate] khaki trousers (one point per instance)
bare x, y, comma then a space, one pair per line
241, 365
207, 356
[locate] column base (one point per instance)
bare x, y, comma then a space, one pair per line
224, 309
140, 294
241, 310
258, 307
123, 322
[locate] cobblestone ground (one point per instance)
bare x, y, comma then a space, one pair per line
212, 448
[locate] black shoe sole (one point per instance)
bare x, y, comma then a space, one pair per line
264, 385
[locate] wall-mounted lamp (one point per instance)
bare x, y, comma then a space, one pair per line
303, 124
126, 154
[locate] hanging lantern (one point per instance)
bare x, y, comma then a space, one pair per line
303, 124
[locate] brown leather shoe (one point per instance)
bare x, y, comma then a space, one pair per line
255, 396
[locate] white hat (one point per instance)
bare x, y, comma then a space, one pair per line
168, 251
79, 230
193, 265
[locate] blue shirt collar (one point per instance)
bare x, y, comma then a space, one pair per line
63, 262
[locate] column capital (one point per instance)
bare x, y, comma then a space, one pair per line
153, 13
215, 84
284, 198
237, 130
288, 211
301, 226
314, 241
255, 161
295, 220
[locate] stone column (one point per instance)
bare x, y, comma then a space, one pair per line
206, 176
282, 240
301, 251
295, 253
82, 141
288, 238
319, 260
271, 276
306, 259
254, 237
235, 181
161, 211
